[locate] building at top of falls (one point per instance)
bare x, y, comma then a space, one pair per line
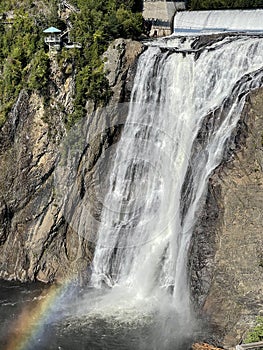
160, 13
216, 21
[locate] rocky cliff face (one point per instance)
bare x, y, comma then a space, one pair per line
38, 237
53, 181
227, 248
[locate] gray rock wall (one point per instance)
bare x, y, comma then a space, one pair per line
227, 249
39, 239
50, 202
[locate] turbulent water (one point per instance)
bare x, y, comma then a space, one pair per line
162, 165
31, 320
186, 101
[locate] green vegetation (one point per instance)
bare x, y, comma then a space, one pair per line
98, 23
256, 334
24, 60
224, 4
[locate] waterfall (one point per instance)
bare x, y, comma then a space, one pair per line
220, 20
161, 168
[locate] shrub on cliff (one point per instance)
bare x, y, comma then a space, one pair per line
98, 23
39, 71
18, 44
24, 62
256, 334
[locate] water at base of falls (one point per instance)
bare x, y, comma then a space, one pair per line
187, 100
69, 326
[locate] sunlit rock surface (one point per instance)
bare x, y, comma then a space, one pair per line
36, 240
228, 246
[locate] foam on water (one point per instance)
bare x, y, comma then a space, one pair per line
160, 171
156, 189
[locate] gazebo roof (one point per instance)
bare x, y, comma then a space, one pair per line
52, 30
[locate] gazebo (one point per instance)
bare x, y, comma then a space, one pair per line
53, 38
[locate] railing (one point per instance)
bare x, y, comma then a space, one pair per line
158, 22
164, 1
73, 45
251, 346
64, 33
52, 40
70, 7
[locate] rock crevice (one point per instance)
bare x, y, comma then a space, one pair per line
227, 245
38, 240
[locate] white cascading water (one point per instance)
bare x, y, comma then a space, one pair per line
160, 172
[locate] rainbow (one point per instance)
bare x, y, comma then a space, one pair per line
30, 323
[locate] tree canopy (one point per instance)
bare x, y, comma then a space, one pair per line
96, 24
24, 61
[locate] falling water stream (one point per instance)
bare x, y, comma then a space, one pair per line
160, 170
187, 99
139, 296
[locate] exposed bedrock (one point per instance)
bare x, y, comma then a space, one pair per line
227, 247
52, 188
37, 238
